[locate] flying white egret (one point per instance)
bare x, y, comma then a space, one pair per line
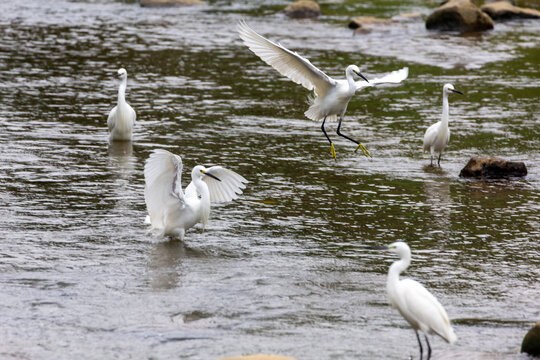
414, 302
122, 116
331, 97
171, 210
437, 135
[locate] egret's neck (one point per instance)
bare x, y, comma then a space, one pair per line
122, 92
204, 202
350, 80
397, 268
445, 115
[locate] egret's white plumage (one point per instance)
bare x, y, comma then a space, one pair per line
122, 117
437, 135
414, 302
331, 97
171, 210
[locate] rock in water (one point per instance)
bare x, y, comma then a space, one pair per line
531, 341
459, 15
259, 357
303, 9
164, 3
493, 168
365, 24
501, 11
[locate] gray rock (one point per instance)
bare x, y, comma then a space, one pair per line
303, 9
492, 168
501, 11
169, 3
531, 341
459, 15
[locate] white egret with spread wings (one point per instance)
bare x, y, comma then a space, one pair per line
331, 97
171, 210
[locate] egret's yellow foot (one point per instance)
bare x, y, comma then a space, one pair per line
333, 151
364, 150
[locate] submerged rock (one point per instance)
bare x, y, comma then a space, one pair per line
259, 357
164, 3
365, 24
407, 17
531, 341
459, 15
501, 11
303, 9
493, 168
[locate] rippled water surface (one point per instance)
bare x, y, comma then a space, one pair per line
284, 269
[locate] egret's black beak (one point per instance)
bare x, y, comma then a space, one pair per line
378, 247
212, 176
116, 76
362, 76
457, 92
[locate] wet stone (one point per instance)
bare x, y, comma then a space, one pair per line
303, 9
501, 11
459, 15
493, 168
170, 3
531, 341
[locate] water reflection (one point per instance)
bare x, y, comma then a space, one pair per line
121, 154
437, 192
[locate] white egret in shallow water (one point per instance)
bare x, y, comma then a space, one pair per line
416, 304
437, 135
171, 210
331, 96
122, 116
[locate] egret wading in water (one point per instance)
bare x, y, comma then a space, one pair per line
171, 210
331, 97
122, 116
437, 135
414, 302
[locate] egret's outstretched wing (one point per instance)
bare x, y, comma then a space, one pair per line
228, 188
288, 63
162, 176
395, 77
426, 310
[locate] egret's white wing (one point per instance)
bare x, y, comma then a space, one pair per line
228, 188
162, 176
111, 120
288, 63
395, 77
426, 310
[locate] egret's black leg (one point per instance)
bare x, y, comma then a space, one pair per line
419, 344
360, 146
332, 149
428, 348
439, 162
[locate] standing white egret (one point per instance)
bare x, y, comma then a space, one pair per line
437, 135
416, 304
122, 117
171, 210
331, 96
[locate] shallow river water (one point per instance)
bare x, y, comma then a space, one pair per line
285, 268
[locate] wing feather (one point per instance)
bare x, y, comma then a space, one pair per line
395, 77
162, 177
426, 310
230, 186
287, 63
